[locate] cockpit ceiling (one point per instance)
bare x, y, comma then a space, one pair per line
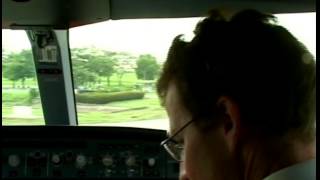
62, 14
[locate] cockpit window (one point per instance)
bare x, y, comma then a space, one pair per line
21, 103
115, 67
116, 64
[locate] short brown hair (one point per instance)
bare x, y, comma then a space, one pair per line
261, 65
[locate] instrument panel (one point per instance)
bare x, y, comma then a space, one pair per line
77, 152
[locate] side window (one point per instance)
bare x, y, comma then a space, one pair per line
21, 104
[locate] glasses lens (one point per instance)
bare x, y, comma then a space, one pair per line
174, 149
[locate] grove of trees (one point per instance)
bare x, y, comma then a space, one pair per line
18, 66
90, 66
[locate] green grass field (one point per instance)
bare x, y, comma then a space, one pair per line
144, 109
28, 83
122, 111
129, 80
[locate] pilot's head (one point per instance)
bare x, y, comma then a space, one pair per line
240, 98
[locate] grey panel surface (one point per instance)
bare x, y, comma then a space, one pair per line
59, 14
62, 14
41, 12
126, 9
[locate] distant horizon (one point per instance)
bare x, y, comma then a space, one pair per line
153, 36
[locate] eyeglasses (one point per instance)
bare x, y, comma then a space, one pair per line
174, 148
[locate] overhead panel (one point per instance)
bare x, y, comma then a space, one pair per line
129, 9
32, 12
62, 14
58, 14
83, 12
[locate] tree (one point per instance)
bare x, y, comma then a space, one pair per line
124, 63
82, 76
4, 60
147, 67
10, 70
90, 64
19, 66
103, 66
4, 54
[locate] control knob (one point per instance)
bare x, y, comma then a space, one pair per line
107, 160
81, 160
151, 162
131, 161
56, 159
13, 160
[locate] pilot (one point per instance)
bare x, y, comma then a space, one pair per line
240, 97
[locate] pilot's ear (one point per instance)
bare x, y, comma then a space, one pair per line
230, 115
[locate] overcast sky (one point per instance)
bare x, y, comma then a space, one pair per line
153, 36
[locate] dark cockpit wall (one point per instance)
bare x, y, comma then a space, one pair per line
61, 14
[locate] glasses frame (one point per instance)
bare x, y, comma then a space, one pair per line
165, 143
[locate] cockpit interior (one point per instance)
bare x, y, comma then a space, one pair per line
78, 82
